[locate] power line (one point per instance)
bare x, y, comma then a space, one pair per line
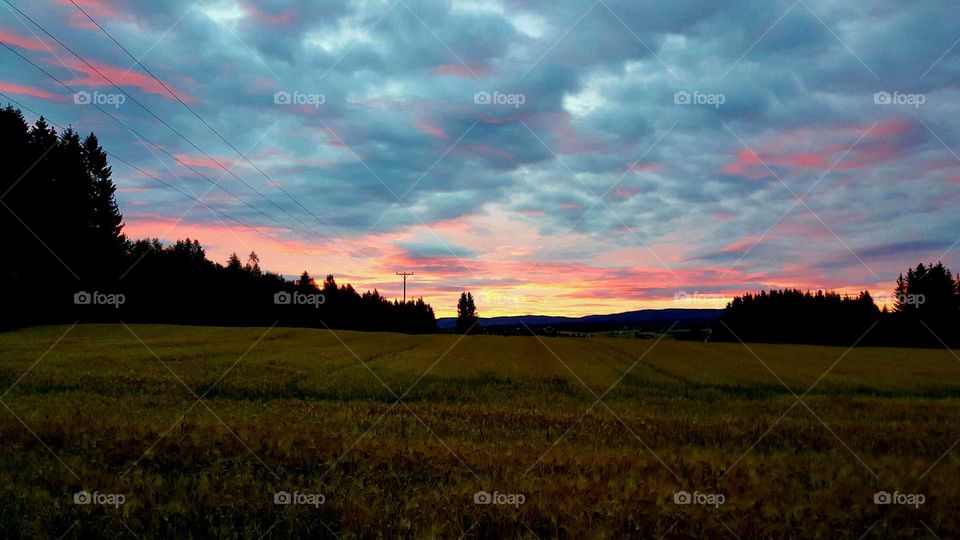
151, 176
210, 127
167, 125
404, 274
155, 145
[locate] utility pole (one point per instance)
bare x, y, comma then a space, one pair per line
404, 274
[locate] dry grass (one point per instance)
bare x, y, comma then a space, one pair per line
300, 412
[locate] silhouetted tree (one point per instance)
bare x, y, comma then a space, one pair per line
927, 290
253, 264
106, 221
467, 316
793, 316
63, 234
926, 304
305, 283
233, 263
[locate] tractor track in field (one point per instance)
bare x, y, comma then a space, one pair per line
631, 358
352, 361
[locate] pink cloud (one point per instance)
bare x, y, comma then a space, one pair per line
424, 125
647, 166
809, 228
95, 8
457, 225
741, 245
887, 128
569, 141
120, 76
30, 43
332, 137
821, 159
13, 88
824, 149
282, 18
462, 70
263, 84
504, 119
203, 161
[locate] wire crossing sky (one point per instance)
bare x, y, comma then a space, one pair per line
586, 157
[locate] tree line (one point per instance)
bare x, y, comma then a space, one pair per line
925, 313
66, 257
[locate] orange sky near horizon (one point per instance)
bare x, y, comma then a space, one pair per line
506, 279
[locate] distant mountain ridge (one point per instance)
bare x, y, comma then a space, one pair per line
628, 318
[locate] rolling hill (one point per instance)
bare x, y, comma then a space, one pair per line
683, 318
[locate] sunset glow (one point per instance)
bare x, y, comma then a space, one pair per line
550, 164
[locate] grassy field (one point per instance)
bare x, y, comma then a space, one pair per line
115, 411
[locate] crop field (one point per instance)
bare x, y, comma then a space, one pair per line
111, 431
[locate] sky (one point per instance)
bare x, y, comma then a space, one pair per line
551, 157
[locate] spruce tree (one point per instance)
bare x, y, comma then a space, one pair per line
466, 313
106, 219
